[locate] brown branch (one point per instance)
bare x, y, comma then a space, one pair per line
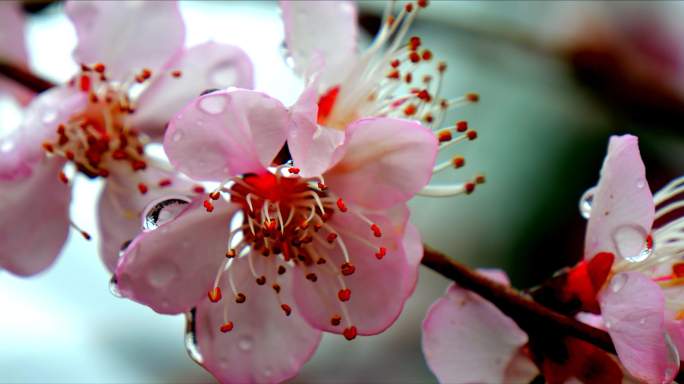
527, 313
25, 78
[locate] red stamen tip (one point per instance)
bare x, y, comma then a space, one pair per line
340, 204
177, 73
480, 179
86, 235
286, 308
164, 182
472, 135
469, 187
376, 230
227, 327
63, 178
84, 83
461, 126
382, 252
408, 7
344, 294
215, 294
276, 288
231, 253
293, 170
208, 206
261, 280
427, 55
422, 3
414, 43
444, 136
458, 162
331, 237
99, 68
240, 298
311, 277
322, 186
414, 57
350, 333
215, 195
142, 188
198, 189
335, 320
472, 97
410, 110
347, 269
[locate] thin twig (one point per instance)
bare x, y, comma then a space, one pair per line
25, 78
523, 310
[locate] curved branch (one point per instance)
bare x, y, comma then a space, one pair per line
25, 78
523, 310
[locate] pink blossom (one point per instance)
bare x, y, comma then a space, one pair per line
466, 339
94, 125
396, 77
641, 304
286, 256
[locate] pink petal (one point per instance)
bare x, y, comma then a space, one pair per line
413, 246
265, 346
622, 209
47, 111
326, 29
387, 161
675, 329
126, 37
226, 133
171, 268
203, 67
17, 157
467, 339
34, 219
633, 311
379, 288
313, 147
121, 205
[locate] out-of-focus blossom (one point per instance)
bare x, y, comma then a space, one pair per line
97, 125
466, 339
629, 51
394, 77
287, 256
641, 305
13, 47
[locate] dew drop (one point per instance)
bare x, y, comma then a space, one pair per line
162, 274
617, 283
245, 343
586, 201
672, 358
6, 146
641, 183
178, 136
224, 74
161, 211
49, 117
630, 243
114, 287
212, 104
642, 321
191, 338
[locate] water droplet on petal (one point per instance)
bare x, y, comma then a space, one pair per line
631, 243
245, 343
162, 211
224, 74
162, 274
641, 183
114, 288
49, 117
585, 202
212, 104
191, 338
617, 283
177, 136
672, 359
6, 146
